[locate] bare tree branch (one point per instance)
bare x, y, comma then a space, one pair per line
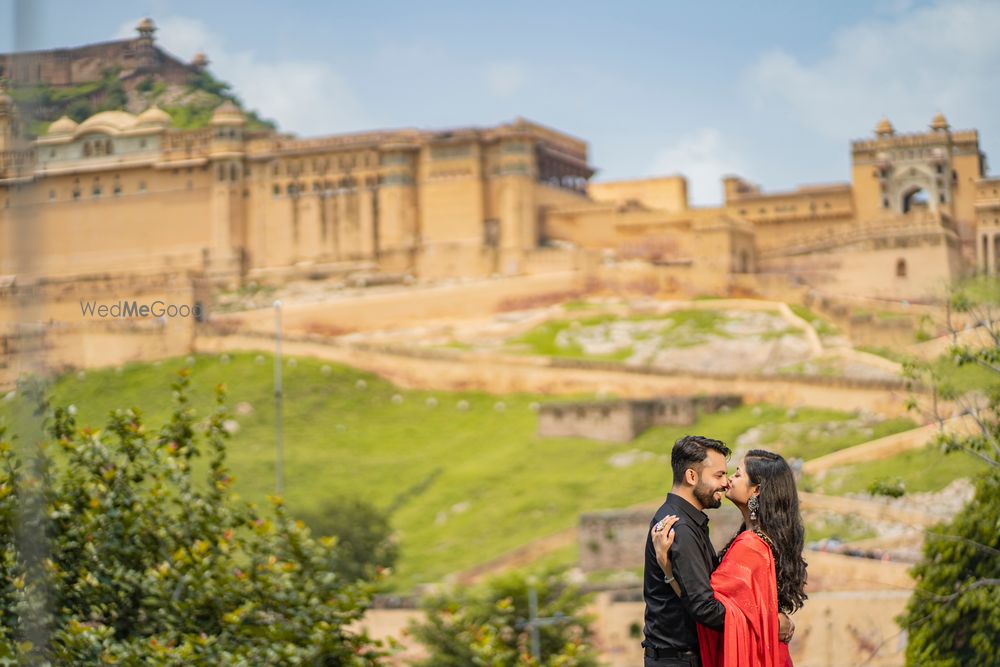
979, 583
964, 540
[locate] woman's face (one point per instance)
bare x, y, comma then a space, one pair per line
740, 488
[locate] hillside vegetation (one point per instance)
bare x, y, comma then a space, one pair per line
190, 105
464, 475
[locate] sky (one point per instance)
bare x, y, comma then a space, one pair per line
771, 91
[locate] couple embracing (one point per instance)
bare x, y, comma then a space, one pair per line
728, 609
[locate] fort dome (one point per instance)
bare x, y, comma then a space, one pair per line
227, 113
116, 121
154, 115
64, 125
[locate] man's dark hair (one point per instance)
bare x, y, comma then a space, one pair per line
691, 452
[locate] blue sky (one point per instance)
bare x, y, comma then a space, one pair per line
771, 91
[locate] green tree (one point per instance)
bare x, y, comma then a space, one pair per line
80, 110
953, 619
144, 561
488, 625
364, 537
206, 82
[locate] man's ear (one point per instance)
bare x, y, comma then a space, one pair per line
691, 476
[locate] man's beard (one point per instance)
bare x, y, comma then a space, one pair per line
706, 496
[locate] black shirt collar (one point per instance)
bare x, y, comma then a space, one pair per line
689, 510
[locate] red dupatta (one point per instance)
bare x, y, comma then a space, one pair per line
745, 584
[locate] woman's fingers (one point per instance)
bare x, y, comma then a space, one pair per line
665, 524
663, 533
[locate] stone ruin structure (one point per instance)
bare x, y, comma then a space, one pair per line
625, 420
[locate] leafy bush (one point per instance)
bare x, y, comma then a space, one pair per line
364, 537
489, 626
953, 618
113, 550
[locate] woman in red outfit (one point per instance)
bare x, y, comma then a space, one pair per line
762, 571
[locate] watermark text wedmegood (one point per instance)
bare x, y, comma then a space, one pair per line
126, 309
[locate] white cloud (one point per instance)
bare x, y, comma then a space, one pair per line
504, 79
907, 66
305, 97
704, 159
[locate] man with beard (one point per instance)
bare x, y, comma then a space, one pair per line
700, 481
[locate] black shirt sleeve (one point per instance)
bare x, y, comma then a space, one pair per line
689, 569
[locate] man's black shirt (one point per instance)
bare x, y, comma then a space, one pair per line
670, 621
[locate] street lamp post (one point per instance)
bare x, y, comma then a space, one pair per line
279, 454
535, 622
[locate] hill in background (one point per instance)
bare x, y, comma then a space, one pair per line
126, 75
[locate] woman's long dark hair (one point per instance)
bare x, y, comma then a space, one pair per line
779, 519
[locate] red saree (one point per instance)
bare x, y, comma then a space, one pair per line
745, 584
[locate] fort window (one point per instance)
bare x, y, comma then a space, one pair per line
52, 195
233, 175
96, 191
108, 147
491, 233
450, 152
142, 186
885, 203
142, 143
901, 268
86, 149
941, 197
222, 172
914, 198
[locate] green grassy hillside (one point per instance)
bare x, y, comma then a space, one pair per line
463, 485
